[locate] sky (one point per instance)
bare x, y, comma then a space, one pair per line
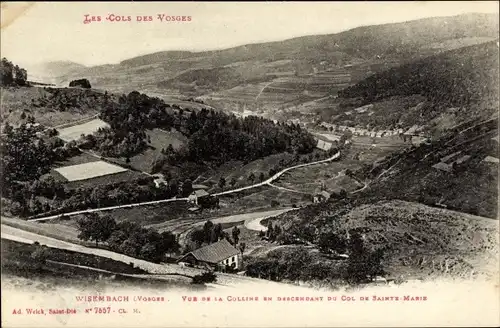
54, 31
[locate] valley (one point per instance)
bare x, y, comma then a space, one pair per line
329, 159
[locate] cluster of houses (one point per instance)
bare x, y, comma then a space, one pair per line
199, 191
413, 131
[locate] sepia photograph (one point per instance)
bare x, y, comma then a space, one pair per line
249, 164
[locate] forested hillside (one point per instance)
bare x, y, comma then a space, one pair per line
461, 84
213, 136
462, 77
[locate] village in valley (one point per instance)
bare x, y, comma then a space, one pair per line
342, 169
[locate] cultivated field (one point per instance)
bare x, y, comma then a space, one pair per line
74, 132
88, 170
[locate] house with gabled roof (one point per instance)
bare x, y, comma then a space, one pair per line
216, 256
321, 196
196, 195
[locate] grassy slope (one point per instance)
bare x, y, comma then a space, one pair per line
422, 241
15, 101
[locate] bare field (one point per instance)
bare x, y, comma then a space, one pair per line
88, 170
74, 132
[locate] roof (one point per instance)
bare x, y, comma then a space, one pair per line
199, 186
215, 253
462, 159
199, 193
442, 166
491, 159
447, 158
325, 194
324, 145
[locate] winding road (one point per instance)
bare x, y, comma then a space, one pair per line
227, 192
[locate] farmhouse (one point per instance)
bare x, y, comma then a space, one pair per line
321, 196
323, 145
197, 195
159, 180
216, 256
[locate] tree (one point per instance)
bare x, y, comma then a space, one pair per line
270, 231
187, 187
198, 236
242, 247
95, 227
6, 72
232, 182
251, 177
149, 252
20, 76
82, 83
236, 234
330, 241
39, 257
207, 229
222, 182
169, 243
363, 263
262, 176
204, 278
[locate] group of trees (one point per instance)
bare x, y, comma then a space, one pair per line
210, 233
213, 136
25, 156
63, 99
272, 233
127, 237
12, 75
297, 263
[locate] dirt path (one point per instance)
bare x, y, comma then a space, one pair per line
262, 90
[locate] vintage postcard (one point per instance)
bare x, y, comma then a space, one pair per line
249, 164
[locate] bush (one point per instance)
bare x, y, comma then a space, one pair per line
204, 278
83, 83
